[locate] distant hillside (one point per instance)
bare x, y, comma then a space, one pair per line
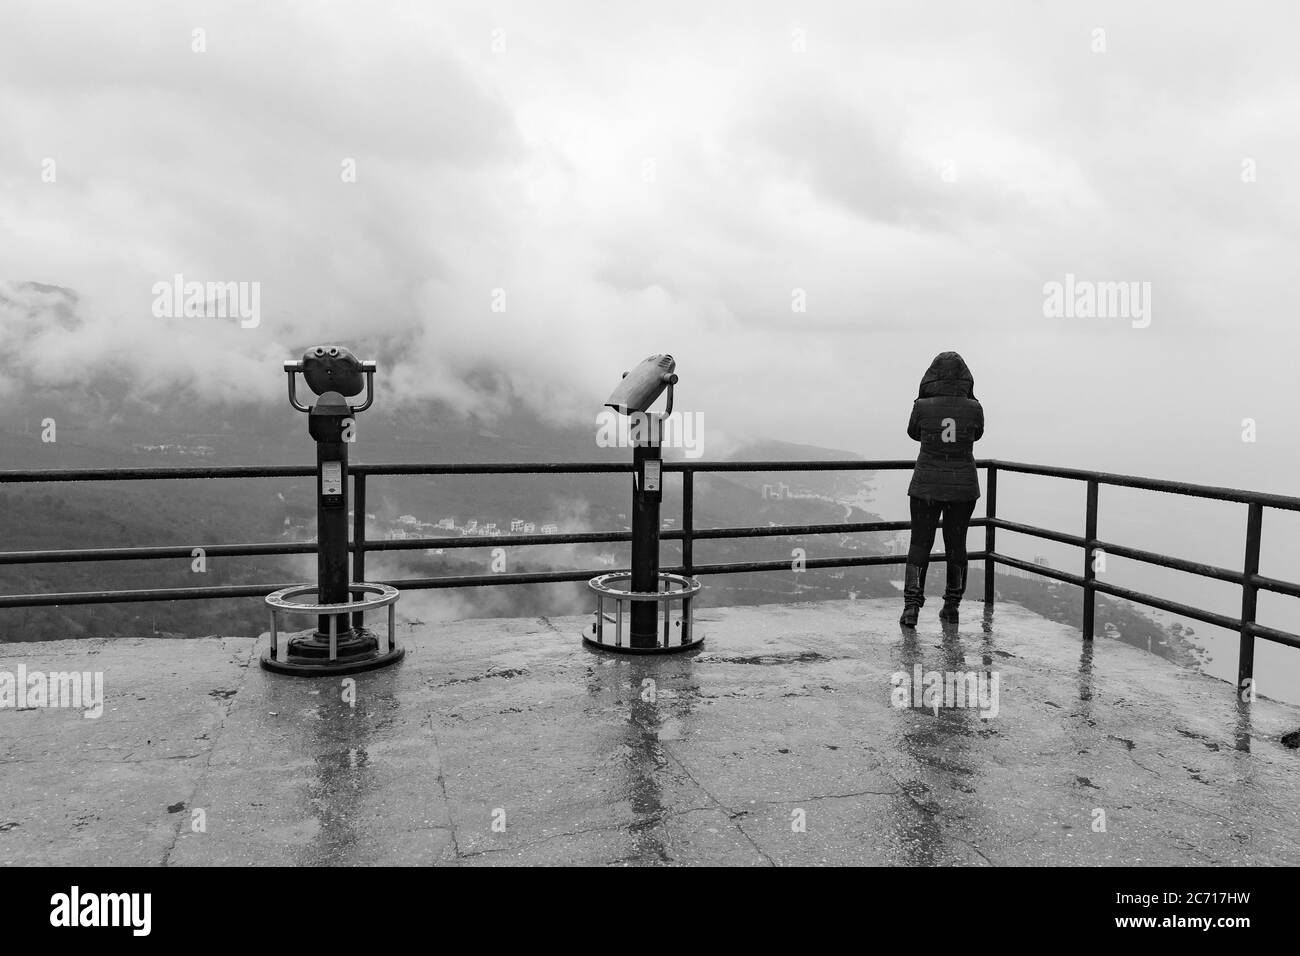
851, 488
772, 450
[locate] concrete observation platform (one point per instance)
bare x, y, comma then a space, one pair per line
508, 742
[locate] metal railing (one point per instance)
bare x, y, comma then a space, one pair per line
1249, 578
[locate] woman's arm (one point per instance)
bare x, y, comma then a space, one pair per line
914, 424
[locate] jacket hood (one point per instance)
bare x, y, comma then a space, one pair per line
947, 375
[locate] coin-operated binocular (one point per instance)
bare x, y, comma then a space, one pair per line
335, 375
644, 589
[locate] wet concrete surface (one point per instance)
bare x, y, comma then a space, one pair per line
779, 742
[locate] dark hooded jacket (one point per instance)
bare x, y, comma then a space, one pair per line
947, 420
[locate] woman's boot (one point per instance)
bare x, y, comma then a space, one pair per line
913, 593
955, 587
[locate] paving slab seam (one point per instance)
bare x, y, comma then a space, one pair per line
731, 812
442, 784
202, 777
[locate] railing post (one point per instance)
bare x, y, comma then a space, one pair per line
1089, 574
1249, 598
990, 513
688, 522
688, 547
358, 538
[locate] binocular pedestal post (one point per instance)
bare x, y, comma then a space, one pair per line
336, 647
645, 590
647, 492
332, 531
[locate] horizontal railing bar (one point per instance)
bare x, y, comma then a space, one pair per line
1173, 607
503, 540
1176, 564
779, 531
1077, 541
307, 471
161, 474
424, 544
457, 581
1066, 576
851, 464
399, 469
147, 595
153, 554
1273, 584
1273, 634
497, 468
1284, 502
817, 563
1124, 551
488, 580
543, 577
1183, 610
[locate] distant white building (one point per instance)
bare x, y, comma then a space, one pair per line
516, 525
408, 519
447, 524
490, 528
471, 525
529, 527
550, 529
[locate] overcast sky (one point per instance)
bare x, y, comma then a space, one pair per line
660, 177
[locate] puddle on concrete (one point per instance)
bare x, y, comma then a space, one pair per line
504, 673
768, 660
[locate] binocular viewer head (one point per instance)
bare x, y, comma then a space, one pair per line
332, 370
644, 384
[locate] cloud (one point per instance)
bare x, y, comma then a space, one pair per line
637, 182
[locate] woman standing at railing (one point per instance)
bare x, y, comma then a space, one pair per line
947, 420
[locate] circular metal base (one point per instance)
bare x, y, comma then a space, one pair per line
340, 649
657, 649
313, 667
670, 587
